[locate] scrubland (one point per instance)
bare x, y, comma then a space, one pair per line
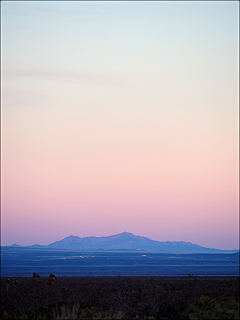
120, 298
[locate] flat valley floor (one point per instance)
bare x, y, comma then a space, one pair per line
118, 285
17, 262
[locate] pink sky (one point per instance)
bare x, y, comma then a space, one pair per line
125, 124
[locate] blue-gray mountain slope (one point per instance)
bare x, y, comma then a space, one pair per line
128, 241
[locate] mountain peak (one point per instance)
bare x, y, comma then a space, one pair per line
126, 241
125, 233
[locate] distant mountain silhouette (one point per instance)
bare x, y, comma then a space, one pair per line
128, 241
125, 241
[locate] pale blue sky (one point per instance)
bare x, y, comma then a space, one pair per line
158, 46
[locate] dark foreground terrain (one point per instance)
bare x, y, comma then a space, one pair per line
120, 298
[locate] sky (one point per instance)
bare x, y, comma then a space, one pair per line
120, 116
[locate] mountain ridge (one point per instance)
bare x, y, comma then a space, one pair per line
125, 241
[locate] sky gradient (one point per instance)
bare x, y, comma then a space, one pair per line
120, 116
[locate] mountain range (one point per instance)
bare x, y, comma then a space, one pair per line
126, 241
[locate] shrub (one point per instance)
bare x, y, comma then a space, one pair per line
51, 279
209, 308
38, 313
16, 281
